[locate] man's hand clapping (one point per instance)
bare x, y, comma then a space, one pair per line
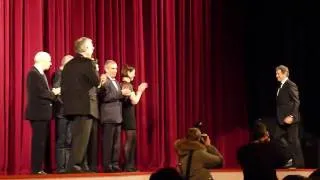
103, 78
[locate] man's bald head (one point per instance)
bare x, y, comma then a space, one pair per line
43, 59
65, 60
42, 56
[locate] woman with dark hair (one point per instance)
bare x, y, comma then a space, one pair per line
129, 121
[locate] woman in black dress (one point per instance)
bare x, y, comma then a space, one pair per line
128, 113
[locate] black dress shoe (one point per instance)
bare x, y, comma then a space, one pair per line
75, 169
93, 170
116, 169
40, 173
131, 169
86, 169
61, 171
108, 170
289, 164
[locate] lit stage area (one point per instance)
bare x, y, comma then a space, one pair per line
222, 174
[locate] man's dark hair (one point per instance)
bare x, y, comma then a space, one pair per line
259, 130
284, 69
166, 173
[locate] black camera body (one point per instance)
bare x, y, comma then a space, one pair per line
199, 125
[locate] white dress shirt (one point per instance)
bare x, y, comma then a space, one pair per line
113, 80
282, 82
39, 69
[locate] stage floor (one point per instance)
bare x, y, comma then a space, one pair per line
221, 174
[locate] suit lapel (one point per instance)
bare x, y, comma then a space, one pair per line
45, 81
283, 86
113, 86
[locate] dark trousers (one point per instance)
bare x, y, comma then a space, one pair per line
111, 145
130, 149
81, 129
40, 132
92, 151
63, 143
289, 135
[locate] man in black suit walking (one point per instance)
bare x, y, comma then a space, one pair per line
288, 115
111, 116
78, 77
39, 108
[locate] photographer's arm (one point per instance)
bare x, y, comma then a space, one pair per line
210, 148
213, 150
212, 160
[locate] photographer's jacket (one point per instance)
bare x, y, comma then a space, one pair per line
203, 158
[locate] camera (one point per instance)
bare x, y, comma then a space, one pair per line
204, 136
198, 125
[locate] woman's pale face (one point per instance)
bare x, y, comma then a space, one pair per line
132, 74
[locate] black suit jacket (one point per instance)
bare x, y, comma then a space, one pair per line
288, 102
40, 98
78, 77
111, 103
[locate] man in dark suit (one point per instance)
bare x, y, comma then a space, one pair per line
111, 116
91, 159
78, 77
63, 125
288, 115
39, 108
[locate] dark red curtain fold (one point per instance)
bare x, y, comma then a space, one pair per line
4, 81
188, 51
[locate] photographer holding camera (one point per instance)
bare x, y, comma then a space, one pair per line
196, 155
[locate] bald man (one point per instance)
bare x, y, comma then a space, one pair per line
39, 108
63, 125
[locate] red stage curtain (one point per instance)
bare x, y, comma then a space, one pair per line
190, 52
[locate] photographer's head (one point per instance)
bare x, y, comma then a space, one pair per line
194, 134
260, 133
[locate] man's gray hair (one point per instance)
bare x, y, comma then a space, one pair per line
284, 69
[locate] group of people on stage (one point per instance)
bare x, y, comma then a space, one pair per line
80, 99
